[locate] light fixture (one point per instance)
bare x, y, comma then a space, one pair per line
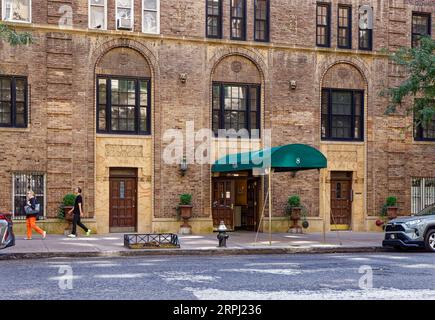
183, 166
293, 84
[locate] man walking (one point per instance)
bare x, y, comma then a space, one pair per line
78, 213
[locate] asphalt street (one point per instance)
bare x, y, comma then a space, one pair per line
393, 275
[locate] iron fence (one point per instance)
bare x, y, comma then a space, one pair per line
422, 193
23, 182
151, 240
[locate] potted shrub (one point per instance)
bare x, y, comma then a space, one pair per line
66, 205
391, 207
294, 210
185, 209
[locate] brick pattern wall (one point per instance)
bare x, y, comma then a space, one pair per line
61, 67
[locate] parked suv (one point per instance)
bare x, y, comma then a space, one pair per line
417, 231
7, 238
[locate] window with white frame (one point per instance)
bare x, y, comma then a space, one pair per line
422, 193
98, 14
150, 16
124, 14
17, 10
23, 182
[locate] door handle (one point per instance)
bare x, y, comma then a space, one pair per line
232, 206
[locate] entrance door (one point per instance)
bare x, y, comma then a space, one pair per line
250, 219
341, 200
223, 203
123, 213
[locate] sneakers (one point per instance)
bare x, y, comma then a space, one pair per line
88, 233
44, 235
27, 238
72, 236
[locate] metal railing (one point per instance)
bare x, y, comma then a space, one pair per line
422, 193
151, 240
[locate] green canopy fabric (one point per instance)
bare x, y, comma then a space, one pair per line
291, 157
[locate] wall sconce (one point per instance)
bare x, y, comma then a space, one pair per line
183, 78
293, 84
183, 166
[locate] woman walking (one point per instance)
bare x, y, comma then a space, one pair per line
31, 215
78, 213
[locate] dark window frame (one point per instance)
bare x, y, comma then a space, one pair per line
207, 15
13, 102
428, 16
243, 24
348, 27
222, 85
108, 104
418, 131
327, 26
267, 22
330, 115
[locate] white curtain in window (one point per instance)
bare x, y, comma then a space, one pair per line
17, 10
97, 15
150, 16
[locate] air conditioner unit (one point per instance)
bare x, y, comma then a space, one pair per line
123, 23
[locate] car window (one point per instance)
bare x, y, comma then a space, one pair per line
427, 211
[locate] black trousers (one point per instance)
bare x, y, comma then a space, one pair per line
77, 222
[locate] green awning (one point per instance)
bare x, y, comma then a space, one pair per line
291, 157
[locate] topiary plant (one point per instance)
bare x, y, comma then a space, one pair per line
186, 199
67, 201
293, 202
391, 202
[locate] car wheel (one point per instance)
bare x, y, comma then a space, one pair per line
430, 241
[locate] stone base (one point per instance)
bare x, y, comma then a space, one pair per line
297, 230
185, 230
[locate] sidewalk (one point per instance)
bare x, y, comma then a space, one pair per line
238, 243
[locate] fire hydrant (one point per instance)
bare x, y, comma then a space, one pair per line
222, 235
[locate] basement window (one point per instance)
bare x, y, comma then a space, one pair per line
23, 182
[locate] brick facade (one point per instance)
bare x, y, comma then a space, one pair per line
62, 63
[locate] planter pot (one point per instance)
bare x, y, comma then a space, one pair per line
392, 212
380, 223
67, 217
295, 213
186, 214
186, 211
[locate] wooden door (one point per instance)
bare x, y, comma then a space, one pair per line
123, 213
341, 200
223, 203
250, 219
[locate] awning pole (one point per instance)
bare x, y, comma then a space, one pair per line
270, 206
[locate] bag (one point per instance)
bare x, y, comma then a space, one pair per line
30, 211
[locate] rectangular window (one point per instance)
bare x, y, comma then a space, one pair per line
342, 114
123, 105
238, 19
344, 27
424, 130
98, 14
13, 102
214, 19
323, 25
17, 10
420, 27
124, 14
422, 193
261, 31
151, 16
365, 41
23, 182
235, 107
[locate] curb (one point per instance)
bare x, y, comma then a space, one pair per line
188, 252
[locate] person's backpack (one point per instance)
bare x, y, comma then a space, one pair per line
30, 211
